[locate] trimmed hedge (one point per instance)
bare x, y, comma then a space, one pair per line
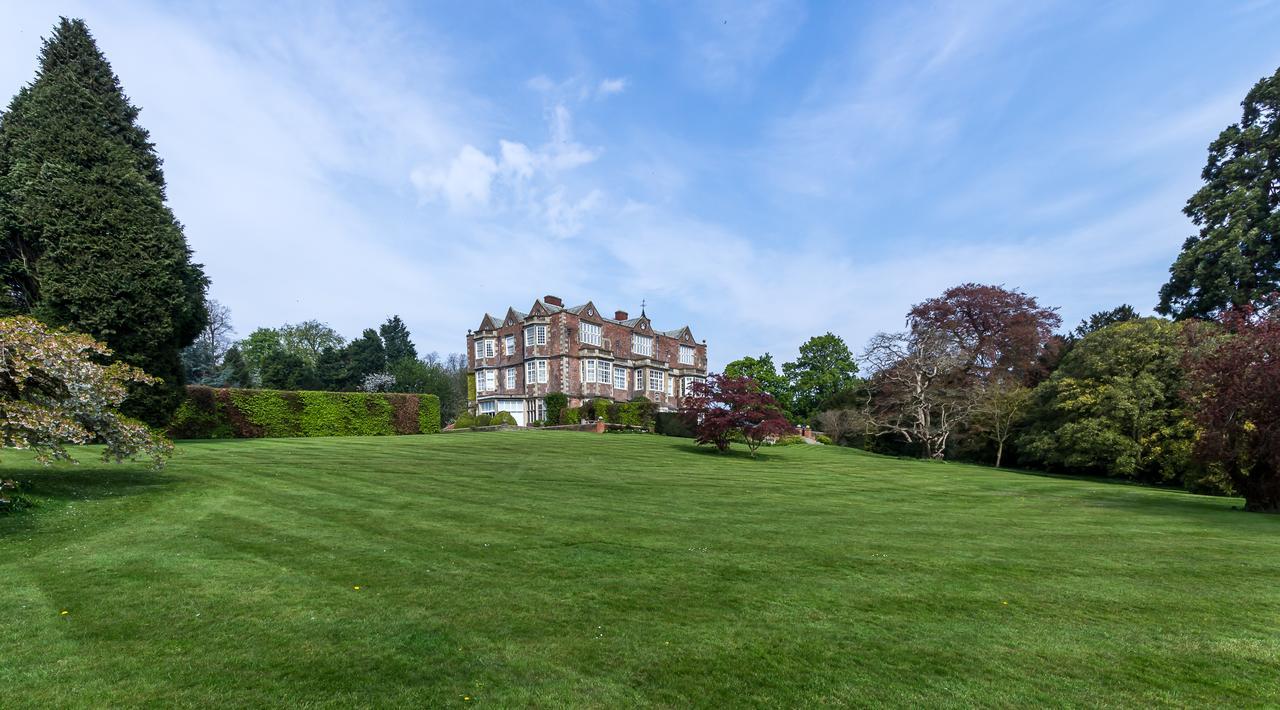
209, 413
672, 424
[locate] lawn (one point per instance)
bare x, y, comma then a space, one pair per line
571, 569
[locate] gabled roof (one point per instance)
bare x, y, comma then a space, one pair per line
588, 309
681, 333
541, 308
514, 316
488, 323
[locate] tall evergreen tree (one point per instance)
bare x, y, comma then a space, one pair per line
1234, 260
367, 355
396, 342
86, 240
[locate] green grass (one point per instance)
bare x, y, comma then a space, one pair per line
568, 569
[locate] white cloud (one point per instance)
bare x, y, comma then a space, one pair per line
608, 87
464, 183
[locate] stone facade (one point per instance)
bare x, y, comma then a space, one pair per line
517, 360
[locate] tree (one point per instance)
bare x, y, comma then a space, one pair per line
235, 371
378, 382
722, 408
824, 368
285, 370
203, 358
1113, 406
54, 391
255, 349
1120, 314
396, 340
366, 355
309, 339
919, 390
1234, 260
86, 240
1001, 330
999, 410
765, 374
1233, 389
556, 403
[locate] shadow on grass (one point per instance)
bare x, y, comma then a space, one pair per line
734, 453
65, 481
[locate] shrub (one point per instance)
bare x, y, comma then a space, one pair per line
672, 424
823, 439
10, 497
210, 413
571, 415
482, 420
464, 421
556, 403
504, 418
789, 440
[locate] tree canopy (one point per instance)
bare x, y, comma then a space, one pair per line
824, 368
1234, 260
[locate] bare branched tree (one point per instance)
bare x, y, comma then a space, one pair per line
919, 390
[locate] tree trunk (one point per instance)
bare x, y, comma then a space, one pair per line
999, 452
1260, 489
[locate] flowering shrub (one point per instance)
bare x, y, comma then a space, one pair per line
378, 382
54, 392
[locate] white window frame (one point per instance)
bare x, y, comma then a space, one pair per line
489, 407
484, 348
639, 378
535, 371
511, 378
657, 380
589, 333
535, 335
619, 378
587, 371
671, 387
638, 340
508, 345
604, 372
687, 354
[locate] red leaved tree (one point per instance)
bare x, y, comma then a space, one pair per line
1233, 386
724, 408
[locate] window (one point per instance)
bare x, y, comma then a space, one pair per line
619, 378
671, 386
656, 378
489, 407
642, 345
535, 335
587, 371
511, 377
686, 386
639, 379
686, 355
537, 410
535, 371
605, 372
589, 333
484, 348
509, 345
486, 380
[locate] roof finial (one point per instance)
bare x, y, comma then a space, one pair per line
642, 315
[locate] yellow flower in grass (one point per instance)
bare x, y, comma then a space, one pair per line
65, 612
357, 587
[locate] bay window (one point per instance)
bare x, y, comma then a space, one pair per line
535, 335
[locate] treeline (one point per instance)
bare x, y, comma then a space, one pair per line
313, 356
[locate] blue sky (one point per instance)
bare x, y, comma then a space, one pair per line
761, 171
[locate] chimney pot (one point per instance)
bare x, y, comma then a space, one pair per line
553, 300
620, 315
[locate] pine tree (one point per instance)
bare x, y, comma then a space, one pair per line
1234, 261
86, 241
367, 355
396, 341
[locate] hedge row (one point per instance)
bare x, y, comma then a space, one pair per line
209, 413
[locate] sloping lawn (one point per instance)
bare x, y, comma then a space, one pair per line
569, 569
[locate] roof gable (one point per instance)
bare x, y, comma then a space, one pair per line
488, 323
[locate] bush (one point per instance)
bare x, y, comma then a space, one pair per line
10, 497
557, 403
482, 420
672, 424
596, 409
504, 418
789, 440
571, 415
823, 439
210, 413
639, 412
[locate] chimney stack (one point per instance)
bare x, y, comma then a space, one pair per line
553, 300
620, 315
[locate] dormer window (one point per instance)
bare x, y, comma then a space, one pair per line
686, 355
589, 334
642, 345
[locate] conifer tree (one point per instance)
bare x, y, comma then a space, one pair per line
86, 240
396, 341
